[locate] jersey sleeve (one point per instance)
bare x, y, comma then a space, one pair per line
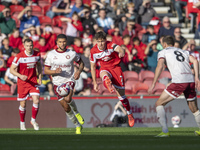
16, 60
161, 55
77, 57
114, 46
47, 62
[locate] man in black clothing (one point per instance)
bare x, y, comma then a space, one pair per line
178, 38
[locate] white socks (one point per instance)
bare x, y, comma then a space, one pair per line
72, 104
197, 117
162, 118
73, 118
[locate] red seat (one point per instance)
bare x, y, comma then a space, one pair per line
2, 7
107, 93
129, 86
148, 82
57, 30
17, 21
45, 20
165, 74
57, 22
146, 75
4, 87
158, 89
131, 75
87, 2
51, 1
43, 3
45, 9
140, 88
36, 8
16, 8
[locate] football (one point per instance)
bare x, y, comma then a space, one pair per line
176, 120
63, 90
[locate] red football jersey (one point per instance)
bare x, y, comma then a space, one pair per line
108, 58
27, 66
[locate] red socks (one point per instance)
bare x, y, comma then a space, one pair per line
22, 112
35, 109
125, 102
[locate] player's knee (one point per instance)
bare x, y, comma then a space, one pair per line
67, 99
23, 104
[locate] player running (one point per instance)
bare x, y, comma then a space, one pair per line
24, 66
60, 65
109, 55
183, 81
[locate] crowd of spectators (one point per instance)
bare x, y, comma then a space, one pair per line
132, 24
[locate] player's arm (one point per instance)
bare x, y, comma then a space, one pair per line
120, 50
159, 69
79, 70
48, 71
39, 70
13, 70
93, 73
195, 63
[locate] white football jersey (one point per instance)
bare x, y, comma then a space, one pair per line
64, 60
177, 61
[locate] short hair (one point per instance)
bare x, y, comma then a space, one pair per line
169, 40
41, 38
150, 27
136, 39
86, 48
28, 40
61, 36
131, 4
77, 39
100, 35
16, 50
75, 13
102, 9
126, 36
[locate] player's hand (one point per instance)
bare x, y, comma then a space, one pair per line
58, 70
77, 75
150, 90
39, 80
121, 55
96, 87
197, 84
23, 77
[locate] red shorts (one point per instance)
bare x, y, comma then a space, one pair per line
117, 76
71, 84
176, 89
23, 92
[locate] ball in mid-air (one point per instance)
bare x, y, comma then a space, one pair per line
63, 89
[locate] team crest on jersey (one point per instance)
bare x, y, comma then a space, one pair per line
68, 57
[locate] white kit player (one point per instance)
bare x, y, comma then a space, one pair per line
183, 81
24, 66
59, 64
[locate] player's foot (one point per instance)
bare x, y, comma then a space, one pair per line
197, 133
80, 118
108, 83
162, 134
35, 125
131, 120
22, 126
79, 129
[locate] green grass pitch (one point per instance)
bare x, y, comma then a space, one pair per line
98, 138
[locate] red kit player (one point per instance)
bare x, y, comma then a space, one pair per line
24, 66
109, 55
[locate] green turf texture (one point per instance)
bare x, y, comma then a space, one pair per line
98, 138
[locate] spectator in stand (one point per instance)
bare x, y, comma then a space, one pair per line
58, 8
15, 39
21, 47
149, 36
132, 29
7, 3
2, 69
74, 26
152, 53
105, 22
88, 21
126, 42
177, 44
95, 6
146, 12
42, 46
178, 38
49, 36
2, 36
78, 7
137, 3
117, 39
78, 48
179, 4
31, 33
166, 29
86, 60
140, 47
130, 13
6, 50
112, 9
7, 24
159, 45
86, 38
13, 54
31, 2
122, 24
28, 20
190, 46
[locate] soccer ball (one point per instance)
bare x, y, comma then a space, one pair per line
176, 120
63, 90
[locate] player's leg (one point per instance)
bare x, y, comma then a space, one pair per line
35, 109
106, 78
22, 113
161, 115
